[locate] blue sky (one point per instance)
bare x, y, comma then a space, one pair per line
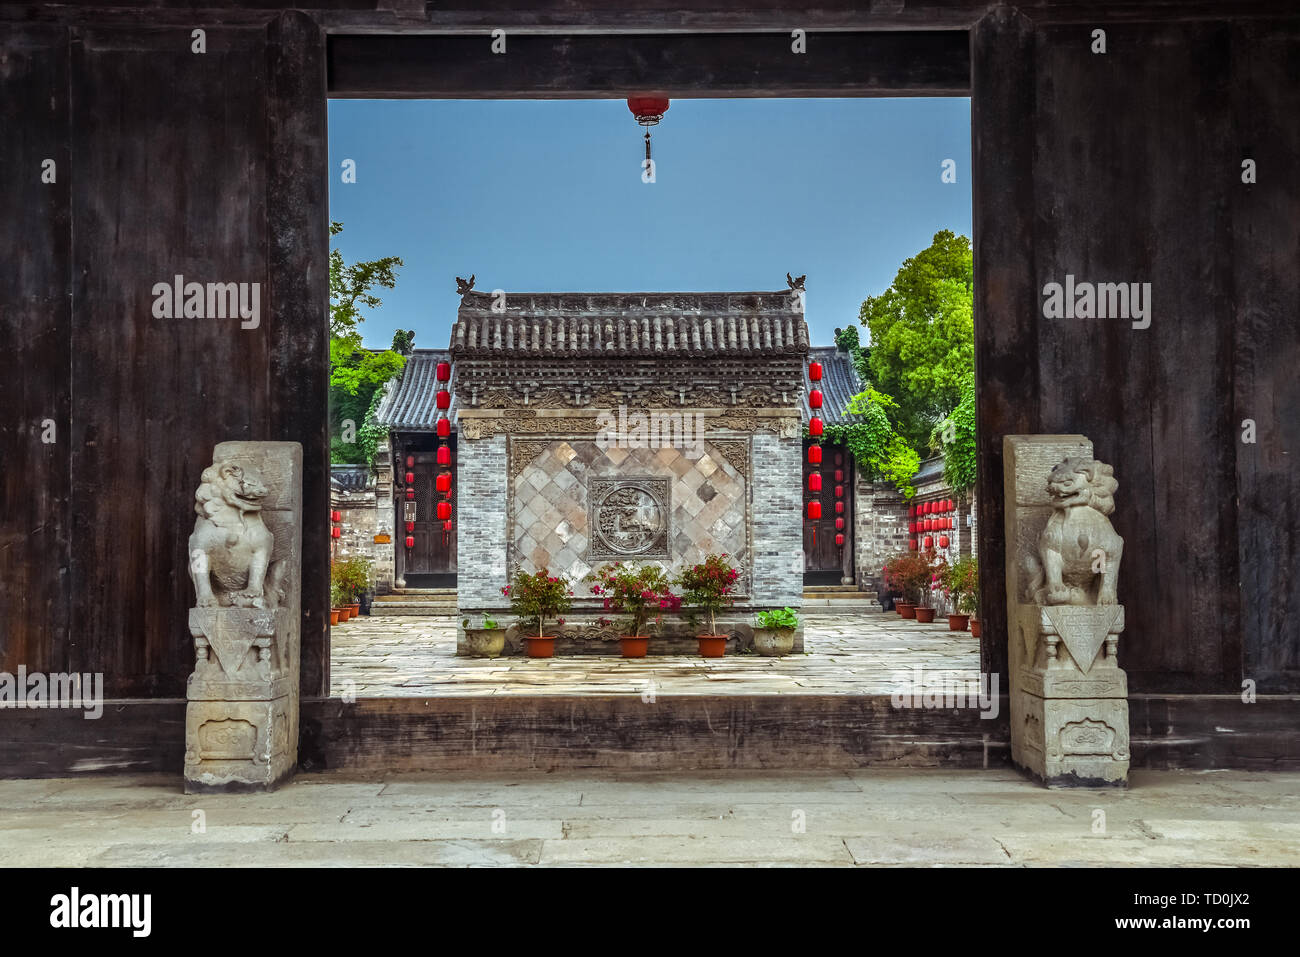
546, 196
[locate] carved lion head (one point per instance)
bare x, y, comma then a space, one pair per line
226, 484
1083, 481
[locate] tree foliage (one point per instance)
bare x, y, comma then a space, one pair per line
357, 374
879, 451
923, 334
954, 436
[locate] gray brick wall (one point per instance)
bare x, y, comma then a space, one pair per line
481, 570
778, 521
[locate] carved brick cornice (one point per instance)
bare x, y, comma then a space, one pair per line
528, 422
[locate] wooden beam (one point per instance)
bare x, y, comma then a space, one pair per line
934, 63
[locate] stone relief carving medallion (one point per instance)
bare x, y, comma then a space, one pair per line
628, 518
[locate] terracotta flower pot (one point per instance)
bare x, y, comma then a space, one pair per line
924, 615
905, 609
712, 646
958, 622
540, 647
634, 646
344, 613
334, 616
975, 627
355, 608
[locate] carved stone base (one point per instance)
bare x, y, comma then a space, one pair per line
1071, 742
235, 746
239, 731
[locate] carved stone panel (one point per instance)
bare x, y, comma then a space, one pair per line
629, 518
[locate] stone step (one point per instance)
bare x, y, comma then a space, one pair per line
828, 588
424, 591
840, 596
414, 608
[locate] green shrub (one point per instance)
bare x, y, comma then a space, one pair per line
781, 619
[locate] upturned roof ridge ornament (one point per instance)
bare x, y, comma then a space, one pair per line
463, 286
795, 283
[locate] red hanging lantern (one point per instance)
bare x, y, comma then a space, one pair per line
839, 475
912, 545
336, 516
911, 528
410, 461
336, 532
814, 455
839, 524
839, 508
815, 371
815, 399
928, 543
444, 455
815, 426
444, 427
814, 511
839, 491
943, 541
410, 494
814, 482
410, 526
410, 541
444, 399
911, 511
444, 482
952, 506
444, 510
648, 110
410, 478
839, 540
444, 371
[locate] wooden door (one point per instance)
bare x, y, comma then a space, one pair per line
434, 551
826, 563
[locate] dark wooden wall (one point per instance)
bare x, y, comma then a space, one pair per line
208, 165
1126, 166
1117, 167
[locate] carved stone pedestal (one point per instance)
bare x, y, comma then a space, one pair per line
238, 718
1069, 725
1069, 697
241, 722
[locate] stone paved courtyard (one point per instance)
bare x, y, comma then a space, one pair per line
870, 817
847, 654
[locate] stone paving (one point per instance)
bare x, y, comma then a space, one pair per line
400, 656
765, 818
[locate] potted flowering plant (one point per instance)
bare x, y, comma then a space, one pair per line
639, 592
774, 631
708, 587
336, 602
535, 598
962, 581
909, 573
485, 638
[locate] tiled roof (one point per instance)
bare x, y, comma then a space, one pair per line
840, 383
629, 324
411, 402
350, 478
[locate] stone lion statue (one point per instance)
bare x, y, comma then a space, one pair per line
230, 549
1078, 551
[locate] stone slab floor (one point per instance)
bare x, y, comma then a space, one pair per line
769, 818
400, 656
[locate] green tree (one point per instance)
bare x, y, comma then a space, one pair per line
923, 335
954, 436
357, 374
879, 451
